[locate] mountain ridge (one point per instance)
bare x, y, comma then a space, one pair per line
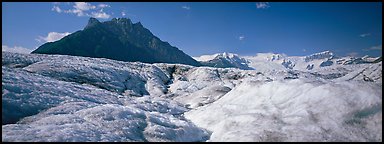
118, 39
224, 60
281, 61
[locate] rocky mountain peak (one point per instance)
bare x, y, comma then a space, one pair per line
117, 39
122, 21
320, 55
92, 22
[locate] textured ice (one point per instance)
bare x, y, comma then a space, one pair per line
295, 110
70, 98
198, 86
108, 122
111, 75
25, 94
66, 98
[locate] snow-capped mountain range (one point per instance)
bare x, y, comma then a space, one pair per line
223, 60
303, 63
320, 55
65, 98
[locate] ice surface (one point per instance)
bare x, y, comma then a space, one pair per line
294, 110
70, 98
108, 122
65, 98
25, 94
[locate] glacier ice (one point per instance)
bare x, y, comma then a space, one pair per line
294, 110
69, 98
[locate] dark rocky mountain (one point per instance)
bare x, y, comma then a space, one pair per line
118, 39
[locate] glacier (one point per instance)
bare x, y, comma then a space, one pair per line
62, 98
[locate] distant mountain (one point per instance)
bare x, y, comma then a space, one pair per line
224, 60
359, 60
118, 39
288, 64
378, 59
269, 62
321, 55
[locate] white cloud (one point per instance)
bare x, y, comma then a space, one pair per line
103, 5
16, 49
83, 6
76, 11
85, 9
186, 7
262, 5
241, 37
304, 50
80, 8
100, 14
378, 47
57, 9
52, 36
124, 13
365, 35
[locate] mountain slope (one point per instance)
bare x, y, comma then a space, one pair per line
118, 39
224, 60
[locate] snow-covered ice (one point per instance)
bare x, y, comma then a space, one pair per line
294, 110
70, 98
64, 98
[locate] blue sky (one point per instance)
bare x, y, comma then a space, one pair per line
199, 28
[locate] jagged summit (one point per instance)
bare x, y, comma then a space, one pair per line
92, 22
223, 60
118, 39
139, 24
320, 55
226, 55
122, 21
